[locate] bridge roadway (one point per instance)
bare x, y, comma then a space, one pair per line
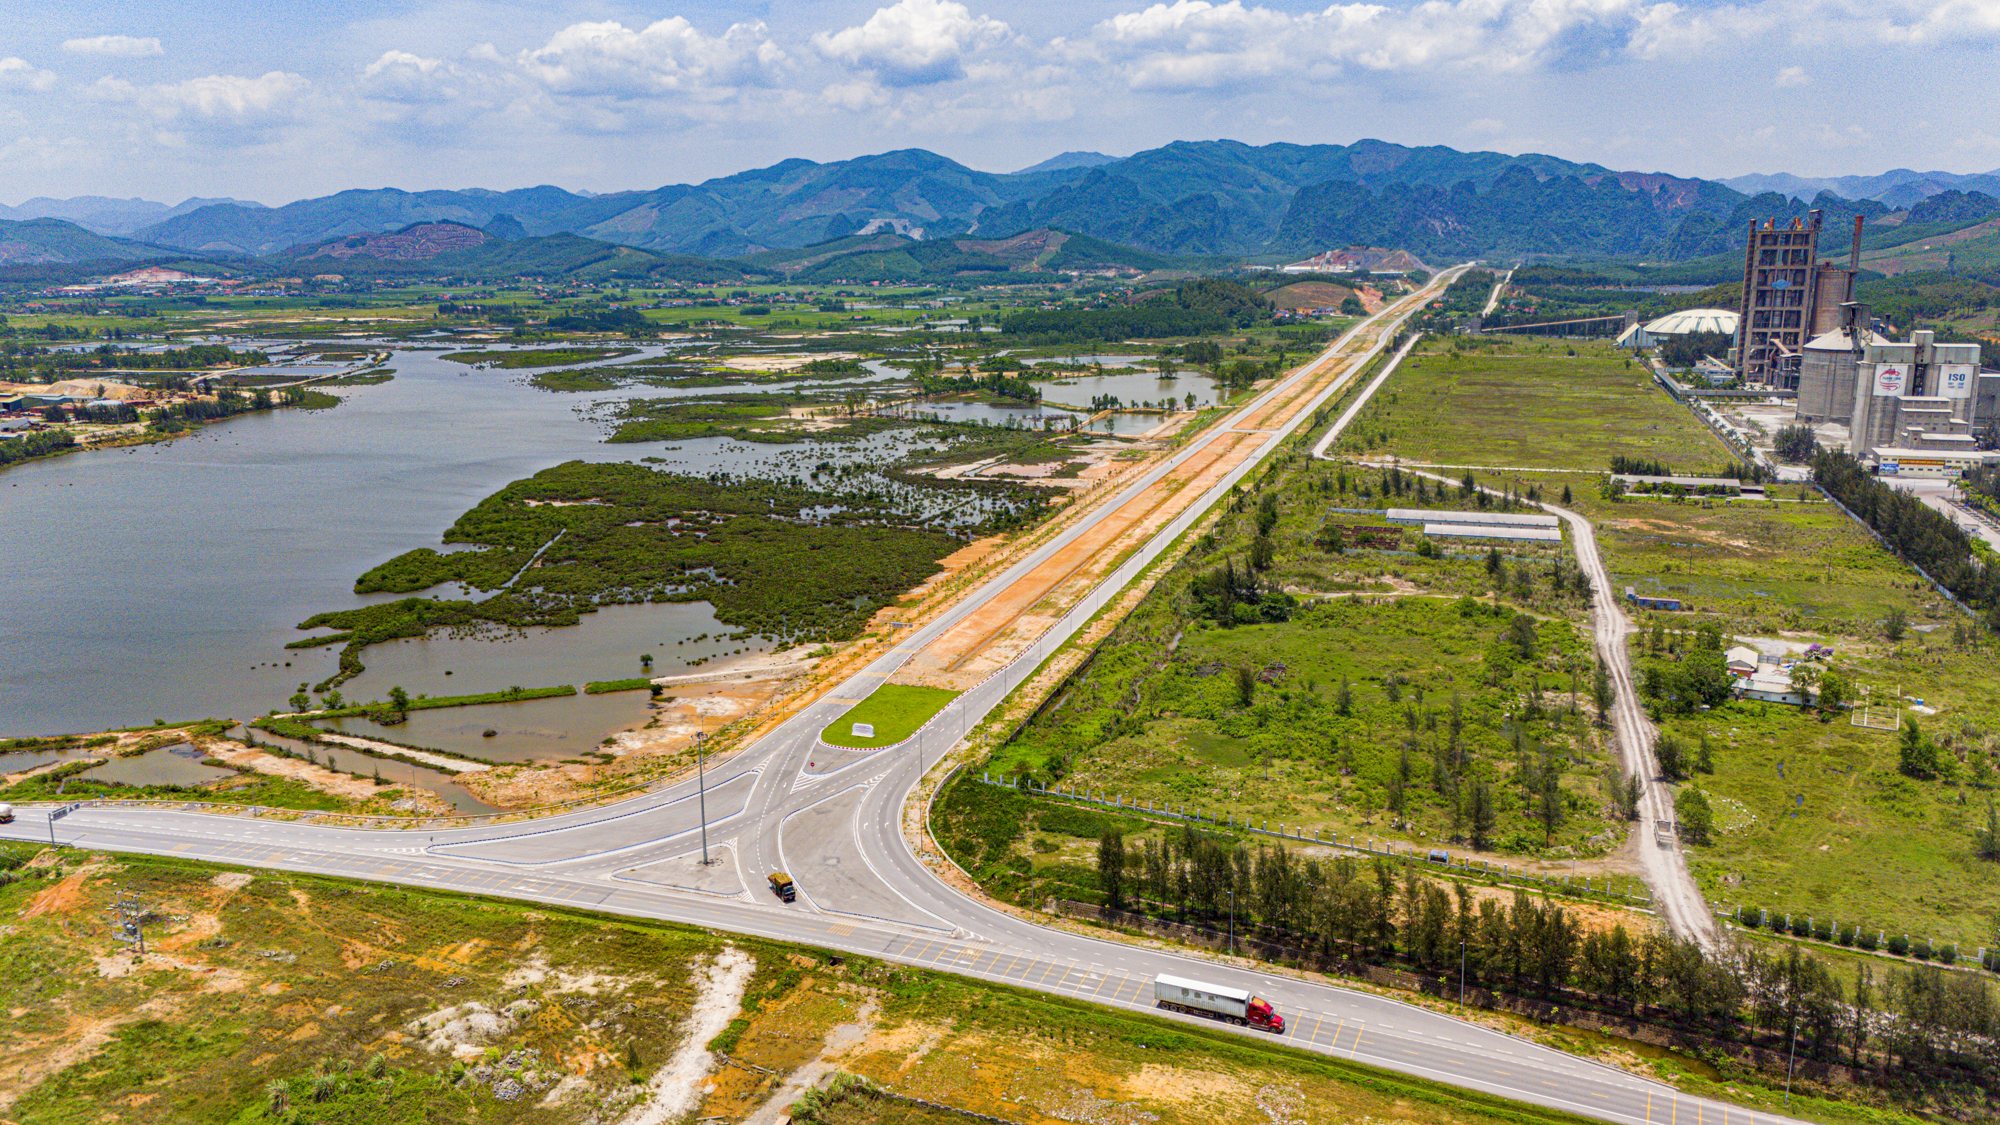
833, 820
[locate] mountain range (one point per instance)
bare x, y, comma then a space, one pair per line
101, 215
1190, 198
1898, 188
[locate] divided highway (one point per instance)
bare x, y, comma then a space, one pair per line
834, 820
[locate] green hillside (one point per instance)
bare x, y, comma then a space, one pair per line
59, 241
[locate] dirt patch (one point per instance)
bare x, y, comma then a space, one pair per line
342, 785
1180, 1086
233, 880
676, 1088
66, 896
79, 1040
1669, 530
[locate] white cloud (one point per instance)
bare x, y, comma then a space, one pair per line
399, 76
1790, 76
19, 75
1196, 44
914, 43
115, 46
228, 98
671, 56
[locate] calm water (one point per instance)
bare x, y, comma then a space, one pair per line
166, 765
164, 581
537, 730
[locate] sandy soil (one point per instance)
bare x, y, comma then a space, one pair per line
1008, 624
676, 1089
343, 785
449, 765
769, 363
93, 388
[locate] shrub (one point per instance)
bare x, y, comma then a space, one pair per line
1801, 926
1921, 949
1868, 939
1900, 945
1823, 931
1846, 935
1948, 953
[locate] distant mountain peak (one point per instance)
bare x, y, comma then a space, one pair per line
1068, 160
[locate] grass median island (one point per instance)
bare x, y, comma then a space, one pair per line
895, 711
347, 1002
1514, 401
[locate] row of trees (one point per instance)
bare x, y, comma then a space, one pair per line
1919, 534
1374, 912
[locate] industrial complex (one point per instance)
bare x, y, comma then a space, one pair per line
1910, 408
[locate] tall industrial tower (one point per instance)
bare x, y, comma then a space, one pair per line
1789, 297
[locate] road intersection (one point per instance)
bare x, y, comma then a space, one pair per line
835, 821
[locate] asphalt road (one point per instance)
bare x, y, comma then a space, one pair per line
835, 824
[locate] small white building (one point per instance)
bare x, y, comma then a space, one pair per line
1772, 685
1741, 661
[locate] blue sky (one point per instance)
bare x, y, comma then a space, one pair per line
280, 100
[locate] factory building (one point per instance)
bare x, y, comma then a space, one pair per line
1789, 299
1911, 408
1682, 323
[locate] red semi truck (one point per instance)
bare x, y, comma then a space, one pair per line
1216, 1001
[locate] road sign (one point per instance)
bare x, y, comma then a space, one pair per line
60, 811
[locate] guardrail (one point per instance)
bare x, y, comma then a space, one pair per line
1386, 848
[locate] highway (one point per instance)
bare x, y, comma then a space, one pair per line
836, 821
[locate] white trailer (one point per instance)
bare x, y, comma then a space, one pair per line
1216, 1001
6, 814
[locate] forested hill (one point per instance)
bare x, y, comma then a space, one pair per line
1185, 198
1189, 197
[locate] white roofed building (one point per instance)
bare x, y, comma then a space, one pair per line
1683, 323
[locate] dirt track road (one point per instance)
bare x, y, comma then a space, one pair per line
1680, 900
1657, 845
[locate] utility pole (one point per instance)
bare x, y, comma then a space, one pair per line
1461, 978
1232, 921
701, 794
128, 923
1794, 1057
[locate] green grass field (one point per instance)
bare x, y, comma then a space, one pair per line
895, 711
1812, 814
1512, 401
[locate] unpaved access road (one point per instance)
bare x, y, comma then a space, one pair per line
1656, 841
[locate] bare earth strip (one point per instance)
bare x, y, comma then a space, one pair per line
1008, 624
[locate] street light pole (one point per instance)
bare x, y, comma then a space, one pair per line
701, 795
1461, 978
1232, 921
